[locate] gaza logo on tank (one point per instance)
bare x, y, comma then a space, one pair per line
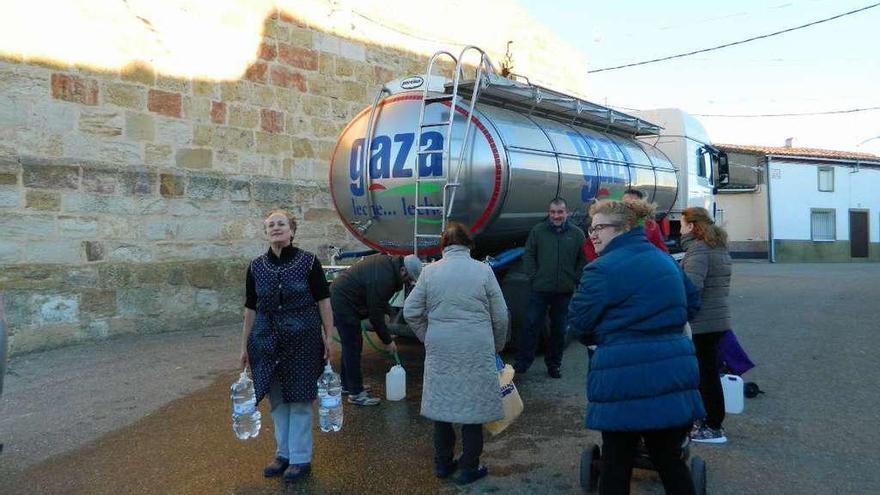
390, 158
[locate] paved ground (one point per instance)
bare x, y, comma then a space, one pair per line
150, 415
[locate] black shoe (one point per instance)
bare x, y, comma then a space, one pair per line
276, 468
468, 476
444, 471
296, 471
554, 373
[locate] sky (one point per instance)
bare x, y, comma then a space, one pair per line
830, 66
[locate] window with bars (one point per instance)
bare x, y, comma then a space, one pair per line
826, 179
822, 225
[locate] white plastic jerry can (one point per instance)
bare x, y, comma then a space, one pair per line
395, 383
734, 396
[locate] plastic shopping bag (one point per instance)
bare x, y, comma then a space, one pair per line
513, 404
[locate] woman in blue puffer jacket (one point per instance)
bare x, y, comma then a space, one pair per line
644, 379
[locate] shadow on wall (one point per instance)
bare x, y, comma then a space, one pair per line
130, 200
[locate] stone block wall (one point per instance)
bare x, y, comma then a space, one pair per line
131, 201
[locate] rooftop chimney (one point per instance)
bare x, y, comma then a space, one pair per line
788, 142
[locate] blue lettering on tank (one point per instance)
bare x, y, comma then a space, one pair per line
380, 161
406, 141
354, 167
381, 165
591, 181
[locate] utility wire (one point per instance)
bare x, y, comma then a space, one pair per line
830, 112
406, 33
726, 45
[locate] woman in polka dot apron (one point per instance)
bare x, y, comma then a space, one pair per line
286, 340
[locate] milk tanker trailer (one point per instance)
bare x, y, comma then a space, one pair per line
491, 152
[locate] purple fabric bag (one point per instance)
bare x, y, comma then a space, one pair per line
731, 355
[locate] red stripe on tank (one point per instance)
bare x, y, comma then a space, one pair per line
484, 216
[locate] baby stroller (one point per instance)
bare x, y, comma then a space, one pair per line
591, 458
591, 461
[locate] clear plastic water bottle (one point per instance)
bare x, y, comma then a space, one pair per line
245, 416
330, 397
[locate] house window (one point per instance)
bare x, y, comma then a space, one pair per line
826, 179
822, 225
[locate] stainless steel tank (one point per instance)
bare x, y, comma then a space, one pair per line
514, 165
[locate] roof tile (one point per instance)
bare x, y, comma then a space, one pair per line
805, 152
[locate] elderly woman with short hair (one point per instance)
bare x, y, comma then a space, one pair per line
643, 380
286, 340
458, 311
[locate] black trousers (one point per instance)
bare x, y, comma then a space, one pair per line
471, 444
352, 345
664, 447
539, 304
706, 345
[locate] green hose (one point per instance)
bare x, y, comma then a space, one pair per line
395, 356
375, 347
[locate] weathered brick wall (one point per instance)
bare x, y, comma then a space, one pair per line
131, 201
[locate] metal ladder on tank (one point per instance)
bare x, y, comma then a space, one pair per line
448, 187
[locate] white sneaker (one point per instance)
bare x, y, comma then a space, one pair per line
363, 399
709, 435
366, 387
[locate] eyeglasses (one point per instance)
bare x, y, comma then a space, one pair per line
600, 227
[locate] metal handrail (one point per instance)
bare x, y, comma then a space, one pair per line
365, 159
485, 63
418, 142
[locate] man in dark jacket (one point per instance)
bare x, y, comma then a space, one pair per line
553, 261
363, 291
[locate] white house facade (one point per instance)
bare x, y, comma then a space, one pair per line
804, 205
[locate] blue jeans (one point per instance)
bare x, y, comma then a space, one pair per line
293, 428
539, 304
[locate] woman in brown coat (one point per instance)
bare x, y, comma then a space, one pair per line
707, 264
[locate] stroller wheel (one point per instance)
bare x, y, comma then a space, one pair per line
698, 474
589, 473
752, 390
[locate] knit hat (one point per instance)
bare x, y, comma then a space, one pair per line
413, 266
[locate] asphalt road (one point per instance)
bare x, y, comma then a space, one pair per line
150, 414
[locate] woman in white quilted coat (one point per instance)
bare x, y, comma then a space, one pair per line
458, 311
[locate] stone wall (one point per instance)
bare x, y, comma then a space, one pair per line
131, 198
130, 201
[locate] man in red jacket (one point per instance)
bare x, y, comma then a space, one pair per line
652, 230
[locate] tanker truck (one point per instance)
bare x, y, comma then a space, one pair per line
491, 152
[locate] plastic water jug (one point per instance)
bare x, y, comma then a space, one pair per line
395, 383
734, 395
329, 400
245, 416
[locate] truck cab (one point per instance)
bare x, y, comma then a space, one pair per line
703, 168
